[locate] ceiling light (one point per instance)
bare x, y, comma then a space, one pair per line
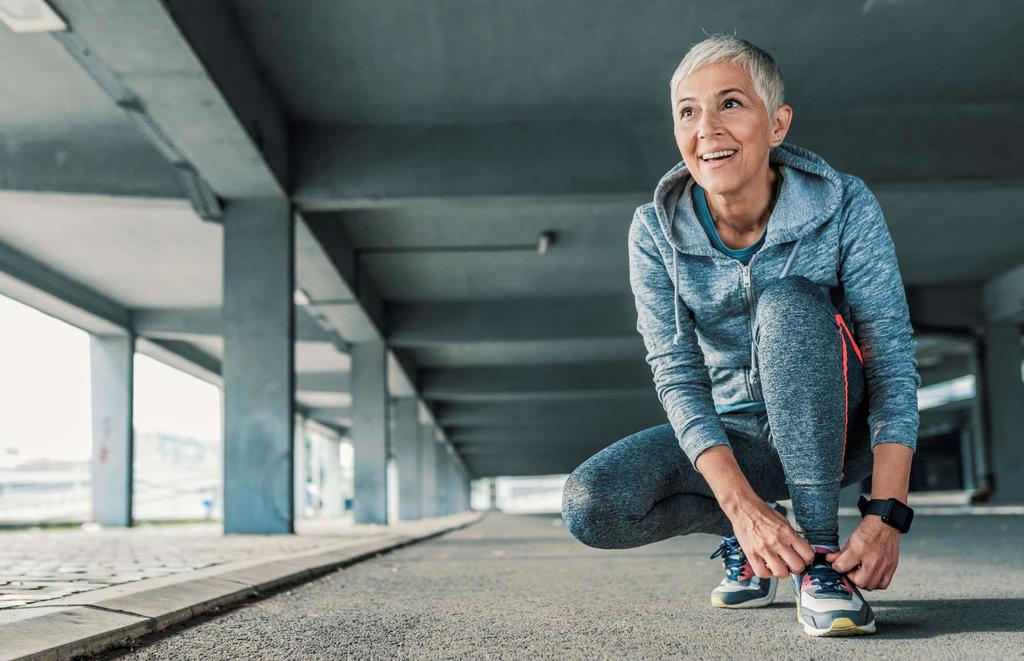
30, 16
301, 298
544, 242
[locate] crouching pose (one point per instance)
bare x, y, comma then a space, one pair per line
771, 305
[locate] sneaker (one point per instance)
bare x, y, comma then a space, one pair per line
740, 588
827, 604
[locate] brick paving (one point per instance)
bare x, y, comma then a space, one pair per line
39, 565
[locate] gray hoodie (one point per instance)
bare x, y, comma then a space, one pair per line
695, 306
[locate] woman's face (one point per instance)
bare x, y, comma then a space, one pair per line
718, 111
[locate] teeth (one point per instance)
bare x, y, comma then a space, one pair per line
718, 154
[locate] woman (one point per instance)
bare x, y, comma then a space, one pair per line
770, 301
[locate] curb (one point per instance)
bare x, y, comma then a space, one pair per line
95, 621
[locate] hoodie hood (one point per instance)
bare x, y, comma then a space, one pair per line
810, 193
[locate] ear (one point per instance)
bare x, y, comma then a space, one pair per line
780, 125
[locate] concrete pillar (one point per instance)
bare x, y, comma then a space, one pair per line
453, 485
258, 367
111, 359
370, 431
441, 471
456, 487
1004, 394
333, 505
428, 471
299, 468
407, 454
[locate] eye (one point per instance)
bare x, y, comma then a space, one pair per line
725, 104
685, 112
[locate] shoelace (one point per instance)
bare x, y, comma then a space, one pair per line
732, 557
828, 580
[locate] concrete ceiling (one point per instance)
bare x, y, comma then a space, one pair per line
429, 144
452, 63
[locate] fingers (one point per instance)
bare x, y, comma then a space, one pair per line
792, 560
845, 560
861, 577
777, 566
872, 577
757, 563
803, 550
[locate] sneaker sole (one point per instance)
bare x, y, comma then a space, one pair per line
841, 626
753, 603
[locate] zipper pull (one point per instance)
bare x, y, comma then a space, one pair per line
746, 276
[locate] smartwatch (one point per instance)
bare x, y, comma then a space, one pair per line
892, 511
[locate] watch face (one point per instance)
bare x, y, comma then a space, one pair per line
899, 516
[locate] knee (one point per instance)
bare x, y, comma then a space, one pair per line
583, 513
784, 298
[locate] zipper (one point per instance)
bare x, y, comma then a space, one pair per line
748, 289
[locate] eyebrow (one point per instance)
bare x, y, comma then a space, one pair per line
721, 93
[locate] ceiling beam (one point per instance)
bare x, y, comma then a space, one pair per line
1004, 296
35, 284
324, 382
424, 325
194, 323
528, 413
338, 169
181, 70
119, 163
956, 306
497, 383
182, 356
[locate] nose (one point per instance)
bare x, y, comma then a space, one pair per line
709, 125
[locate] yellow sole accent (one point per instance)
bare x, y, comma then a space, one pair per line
842, 626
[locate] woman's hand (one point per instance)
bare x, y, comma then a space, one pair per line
769, 542
771, 545
870, 556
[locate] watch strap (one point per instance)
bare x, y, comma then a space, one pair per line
892, 512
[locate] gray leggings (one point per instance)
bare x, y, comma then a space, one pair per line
813, 439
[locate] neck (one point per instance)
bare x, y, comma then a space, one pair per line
746, 210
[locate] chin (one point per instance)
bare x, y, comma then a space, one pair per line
719, 185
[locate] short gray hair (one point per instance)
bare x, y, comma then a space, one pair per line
764, 72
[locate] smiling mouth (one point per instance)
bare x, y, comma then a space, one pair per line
720, 155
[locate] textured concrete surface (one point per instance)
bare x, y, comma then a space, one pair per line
41, 565
521, 587
117, 615
37, 566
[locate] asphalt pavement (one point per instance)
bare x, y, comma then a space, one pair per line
522, 587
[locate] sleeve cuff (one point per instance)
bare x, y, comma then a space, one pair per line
703, 434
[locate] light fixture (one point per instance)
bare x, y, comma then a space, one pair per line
30, 16
301, 298
544, 242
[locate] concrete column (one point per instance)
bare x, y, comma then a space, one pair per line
299, 468
441, 471
370, 431
111, 359
258, 367
333, 505
428, 471
407, 454
456, 486
1004, 394
453, 485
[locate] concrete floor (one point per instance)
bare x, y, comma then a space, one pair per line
521, 587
